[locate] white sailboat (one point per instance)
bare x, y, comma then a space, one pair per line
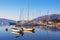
20, 22
24, 28
49, 23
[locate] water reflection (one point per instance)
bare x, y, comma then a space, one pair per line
50, 28
39, 33
20, 31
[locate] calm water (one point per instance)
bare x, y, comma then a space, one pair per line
38, 34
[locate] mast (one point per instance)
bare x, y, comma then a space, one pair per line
21, 18
48, 16
33, 14
28, 11
21, 12
39, 14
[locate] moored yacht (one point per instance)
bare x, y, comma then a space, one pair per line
22, 29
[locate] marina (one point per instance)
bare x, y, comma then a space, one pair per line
29, 19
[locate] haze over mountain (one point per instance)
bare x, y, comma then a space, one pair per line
6, 21
47, 17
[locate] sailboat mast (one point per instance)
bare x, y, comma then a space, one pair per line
21, 12
20, 15
33, 14
28, 11
48, 15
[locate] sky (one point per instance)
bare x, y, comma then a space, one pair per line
18, 9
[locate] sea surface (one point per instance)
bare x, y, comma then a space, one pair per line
38, 34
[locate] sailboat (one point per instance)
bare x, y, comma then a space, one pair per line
20, 24
49, 23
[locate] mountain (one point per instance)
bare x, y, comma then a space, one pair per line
6, 21
47, 17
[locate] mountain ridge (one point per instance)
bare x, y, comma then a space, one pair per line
47, 17
6, 21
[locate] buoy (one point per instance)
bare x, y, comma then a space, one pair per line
6, 29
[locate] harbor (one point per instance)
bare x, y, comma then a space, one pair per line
29, 19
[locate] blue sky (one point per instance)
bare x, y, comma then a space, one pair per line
11, 9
